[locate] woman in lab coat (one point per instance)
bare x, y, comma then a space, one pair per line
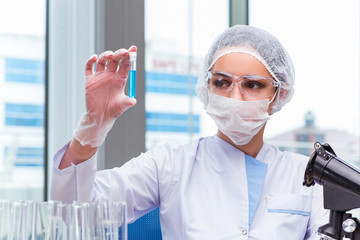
228, 186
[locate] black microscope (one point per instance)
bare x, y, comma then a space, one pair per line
341, 187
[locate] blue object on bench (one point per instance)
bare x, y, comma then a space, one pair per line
146, 228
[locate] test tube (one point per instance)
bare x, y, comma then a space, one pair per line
132, 75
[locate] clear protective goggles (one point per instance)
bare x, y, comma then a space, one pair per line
252, 87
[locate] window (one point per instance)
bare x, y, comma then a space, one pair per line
26, 156
324, 46
28, 115
166, 83
176, 42
171, 122
22, 98
24, 71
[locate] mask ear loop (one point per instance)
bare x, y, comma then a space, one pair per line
273, 98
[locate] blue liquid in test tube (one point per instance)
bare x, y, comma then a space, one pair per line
132, 83
132, 75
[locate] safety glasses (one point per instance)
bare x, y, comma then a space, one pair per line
253, 87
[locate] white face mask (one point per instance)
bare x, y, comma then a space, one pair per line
239, 120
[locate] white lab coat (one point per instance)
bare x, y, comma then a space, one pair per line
203, 190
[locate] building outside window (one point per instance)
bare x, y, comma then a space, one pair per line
174, 53
22, 97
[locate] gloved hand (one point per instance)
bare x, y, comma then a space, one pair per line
105, 97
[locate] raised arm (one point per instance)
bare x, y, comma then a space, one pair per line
105, 101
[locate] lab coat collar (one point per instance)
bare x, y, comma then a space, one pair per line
266, 153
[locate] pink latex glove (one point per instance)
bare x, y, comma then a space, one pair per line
105, 97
